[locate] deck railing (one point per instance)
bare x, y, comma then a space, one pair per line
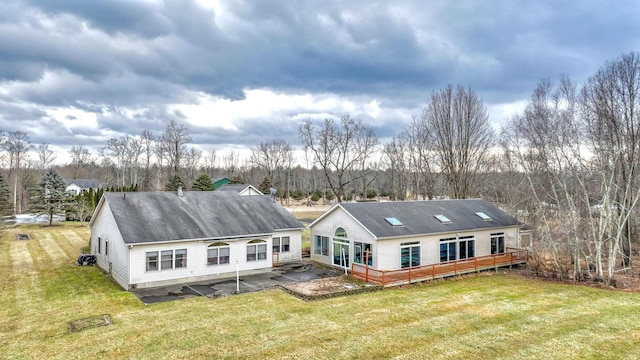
434, 271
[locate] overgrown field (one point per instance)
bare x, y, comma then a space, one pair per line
486, 316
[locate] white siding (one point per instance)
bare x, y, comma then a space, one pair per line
197, 268
386, 253
127, 263
295, 242
355, 232
389, 250
105, 228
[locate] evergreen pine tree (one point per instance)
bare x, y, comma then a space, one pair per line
173, 183
237, 179
50, 197
203, 183
265, 186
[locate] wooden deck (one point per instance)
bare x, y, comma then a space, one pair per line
439, 270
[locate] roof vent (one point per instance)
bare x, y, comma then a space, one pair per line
180, 193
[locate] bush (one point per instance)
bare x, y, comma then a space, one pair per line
371, 194
297, 194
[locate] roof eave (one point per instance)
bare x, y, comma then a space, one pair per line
445, 232
233, 237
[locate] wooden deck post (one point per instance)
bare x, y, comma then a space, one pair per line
366, 262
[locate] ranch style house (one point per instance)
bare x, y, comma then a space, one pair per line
147, 239
405, 241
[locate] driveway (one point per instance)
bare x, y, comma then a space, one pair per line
285, 273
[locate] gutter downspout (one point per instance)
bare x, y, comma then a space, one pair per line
129, 268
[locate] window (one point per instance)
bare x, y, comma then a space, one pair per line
256, 250
340, 232
181, 258
341, 252
106, 247
483, 216
447, 249
410, 254
322, 245
99, 245
467, 247
218, 254
394, 222
166, 259
281, 244
152, 261
497, 243
360, 253
443, 219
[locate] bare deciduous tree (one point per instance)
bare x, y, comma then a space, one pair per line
17, 145
175, 139
274, 158
147, 141
337, 148
80, 159
191, 165
461, 134
46, 157
231, 163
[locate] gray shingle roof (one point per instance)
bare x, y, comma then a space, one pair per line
233, 187
84, 183
144, 217
417, 217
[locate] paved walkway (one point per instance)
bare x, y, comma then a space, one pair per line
286, 273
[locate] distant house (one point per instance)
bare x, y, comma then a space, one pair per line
242, 189
437, 237
78, 186
219, 182
150, 239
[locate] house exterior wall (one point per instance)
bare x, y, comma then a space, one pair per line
355, 232
116, 261
295, 242
74, 189
197, 268
386, 253
430, 246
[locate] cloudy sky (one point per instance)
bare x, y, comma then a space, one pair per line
236, 73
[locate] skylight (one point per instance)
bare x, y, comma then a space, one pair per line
484, 216
394, 222
443, 219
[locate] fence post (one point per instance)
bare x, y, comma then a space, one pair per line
366, 271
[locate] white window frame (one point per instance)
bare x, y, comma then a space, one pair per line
148, 256
258, 248
217, 248
410, 246
321, 245
498, 239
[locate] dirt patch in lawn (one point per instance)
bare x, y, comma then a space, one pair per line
319, 289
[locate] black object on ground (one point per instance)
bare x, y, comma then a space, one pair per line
86, 259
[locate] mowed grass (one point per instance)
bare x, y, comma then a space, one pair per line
486, 316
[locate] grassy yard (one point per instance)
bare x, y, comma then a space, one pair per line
487, 316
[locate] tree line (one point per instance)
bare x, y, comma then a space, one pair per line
567, 164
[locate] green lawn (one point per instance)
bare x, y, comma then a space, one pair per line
486, 316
